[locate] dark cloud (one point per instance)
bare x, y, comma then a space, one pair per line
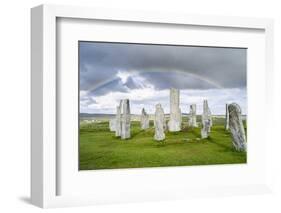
196, 67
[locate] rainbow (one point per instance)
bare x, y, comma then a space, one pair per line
182, 72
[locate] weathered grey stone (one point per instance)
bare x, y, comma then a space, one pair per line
207, 116
205, 128
206, 120
112, 125
118, 121
144, 120
236, 127
165, 123
125, 119
159, 134
226, 117
192, 116
174, 123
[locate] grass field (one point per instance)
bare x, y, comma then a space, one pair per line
100, 149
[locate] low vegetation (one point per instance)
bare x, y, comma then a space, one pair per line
100, 149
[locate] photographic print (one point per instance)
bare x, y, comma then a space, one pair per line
158, 105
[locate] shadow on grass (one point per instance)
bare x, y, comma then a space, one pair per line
146, 132
195, 132
224, 146
160, 144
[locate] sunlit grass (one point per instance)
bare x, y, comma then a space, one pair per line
100, 149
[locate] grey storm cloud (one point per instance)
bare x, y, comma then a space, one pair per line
164, 66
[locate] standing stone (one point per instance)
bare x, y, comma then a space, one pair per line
144, 121
205, 128
118, 121
226, 117
125, 119
165, 123
159, 123
207, 116
192, 116
236, 127
174, 124
112, 125
206, 120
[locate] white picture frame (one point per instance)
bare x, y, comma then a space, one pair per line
44, 149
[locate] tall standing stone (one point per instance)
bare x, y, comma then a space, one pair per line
118, 121
192, 116
237, 128
174, 123
125, 119
159, 134
207, 116
226, 117
165, 123
112, 125
205, 128
144, 120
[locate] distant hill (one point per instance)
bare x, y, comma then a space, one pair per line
134, 117
104, 115
86, 115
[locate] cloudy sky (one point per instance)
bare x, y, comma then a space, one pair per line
145, 73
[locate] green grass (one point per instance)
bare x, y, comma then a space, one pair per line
100, 149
